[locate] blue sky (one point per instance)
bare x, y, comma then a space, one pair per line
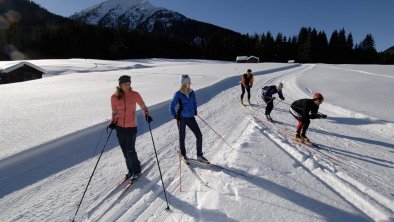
359, 17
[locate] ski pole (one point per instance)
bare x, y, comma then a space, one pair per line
91, 176
221, 137
276, 104
148, 120
180, 175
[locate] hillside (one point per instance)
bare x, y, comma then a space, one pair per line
143, 16
390, 50
52, 136
27, 13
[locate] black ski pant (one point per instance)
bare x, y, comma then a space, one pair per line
270, 105
303, 123
192, 124
243, 91
126, 137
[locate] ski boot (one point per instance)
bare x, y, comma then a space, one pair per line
298, 138
249, 102
184, 159
268, 117
304, 138
202, 159
127, 176
242, 102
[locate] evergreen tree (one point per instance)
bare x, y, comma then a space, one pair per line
349, 49
332, 47
305, 39
366, 51
279, 55
268, 46
322, 47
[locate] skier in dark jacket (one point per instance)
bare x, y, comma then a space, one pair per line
304, 110
267, 95
184, 101
246, 83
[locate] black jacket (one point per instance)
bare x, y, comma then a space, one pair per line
306, 108
268, 91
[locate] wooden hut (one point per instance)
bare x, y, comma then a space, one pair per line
19, 71
246, 59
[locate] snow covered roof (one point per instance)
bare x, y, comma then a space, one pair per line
242, 57
255, 57
6, 67
246, 57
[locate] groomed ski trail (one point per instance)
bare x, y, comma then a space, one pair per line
324, 170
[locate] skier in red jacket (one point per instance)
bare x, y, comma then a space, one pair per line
123, 120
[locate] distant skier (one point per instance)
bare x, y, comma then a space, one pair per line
246, 83
267, 95
183, 108
304, 110
123, 103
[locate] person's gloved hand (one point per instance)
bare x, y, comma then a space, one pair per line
321, 116
148, 119
177, 117
112, 125
283, 98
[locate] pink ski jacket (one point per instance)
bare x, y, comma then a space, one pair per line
123, 110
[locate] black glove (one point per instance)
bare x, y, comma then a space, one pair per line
177, 117
273, 97
112, 125
283, 98
148, 119
323, 116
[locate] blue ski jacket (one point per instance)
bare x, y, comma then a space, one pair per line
268, 91
183, 105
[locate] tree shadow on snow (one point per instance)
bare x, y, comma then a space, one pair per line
364, 158
355, 121
360, 139
345, 152
352, 121
177, 205
40, 162
330, 213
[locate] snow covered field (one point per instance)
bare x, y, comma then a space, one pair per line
53, 129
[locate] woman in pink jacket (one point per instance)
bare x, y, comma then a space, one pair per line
123, 103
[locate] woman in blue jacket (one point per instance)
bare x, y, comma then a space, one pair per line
183, 108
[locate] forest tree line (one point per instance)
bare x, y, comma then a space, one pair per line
50, 36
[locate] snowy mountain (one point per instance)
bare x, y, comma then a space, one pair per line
131, 14
142, 15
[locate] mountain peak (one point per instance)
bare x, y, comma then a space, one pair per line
129, 14
121, 5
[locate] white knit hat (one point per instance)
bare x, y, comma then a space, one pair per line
185, 79
279, 85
